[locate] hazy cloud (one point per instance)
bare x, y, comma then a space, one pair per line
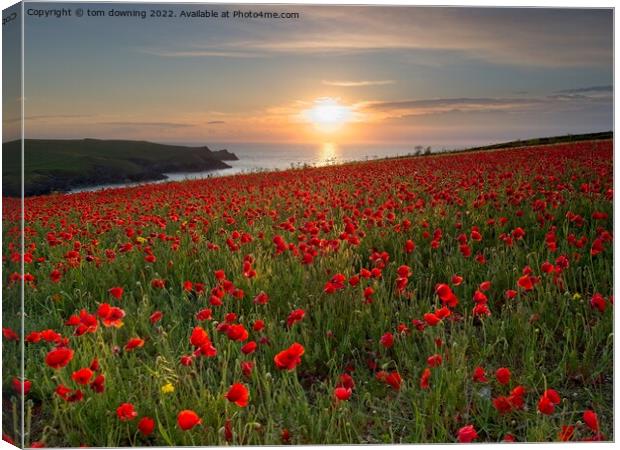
556, 102
201, 53
358, 83
149, 124
48, 117
587, 89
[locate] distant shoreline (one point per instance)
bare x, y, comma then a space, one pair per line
149, 162
55, 165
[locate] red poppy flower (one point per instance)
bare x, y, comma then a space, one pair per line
261, 299
294, 317
342, 393
238, 394
598, 302
204, 314
503, 375
431, 319
553, 396
591, 420
249, 348
510, 294
409, 246
289, 359
545, 405
116, 292
158, 283
502, 404
525, 282
387, 340
485, 286
21, 387
480, 375
134, 343
110, 315
98, 384
188, 419
456, 280
346, 381
394, 380
126, 412
467, 434
425, 378
146, 425
481, 309
247, 367
237, 333
156, 317
567, 433
434, 360
82, 376
59, 357
199, 337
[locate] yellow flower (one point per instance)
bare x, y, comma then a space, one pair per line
576, 296
141, 240
167, 388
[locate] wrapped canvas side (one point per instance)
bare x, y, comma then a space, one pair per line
15, 389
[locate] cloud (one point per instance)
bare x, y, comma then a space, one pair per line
587, 89
358, 83
201, 53
47, 117
437, 105
521, 37
149, 124
423, 107
216, 122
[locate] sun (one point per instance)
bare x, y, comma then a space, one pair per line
328, 115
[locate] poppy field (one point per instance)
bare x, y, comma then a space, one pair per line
464, 297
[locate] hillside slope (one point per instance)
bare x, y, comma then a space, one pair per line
59, 165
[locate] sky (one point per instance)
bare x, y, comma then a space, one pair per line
388, 75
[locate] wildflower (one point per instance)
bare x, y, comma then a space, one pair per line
503, 375
238, 394
342, 393
424, 379
387, 340
467, 434
116, 292
479, 375
82, 376
167, 388
21, 387
591, 420
288, 359
59, 357
126, 412
134, 343
188, 419
146, 425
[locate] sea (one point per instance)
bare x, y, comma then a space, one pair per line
269, 157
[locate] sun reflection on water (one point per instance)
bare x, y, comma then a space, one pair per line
328, 154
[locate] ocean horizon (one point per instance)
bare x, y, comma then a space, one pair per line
255, 157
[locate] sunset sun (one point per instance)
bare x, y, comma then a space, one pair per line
328, 115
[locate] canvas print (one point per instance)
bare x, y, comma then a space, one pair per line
257, 224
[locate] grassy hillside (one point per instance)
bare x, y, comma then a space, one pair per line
57, 165
548, 140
